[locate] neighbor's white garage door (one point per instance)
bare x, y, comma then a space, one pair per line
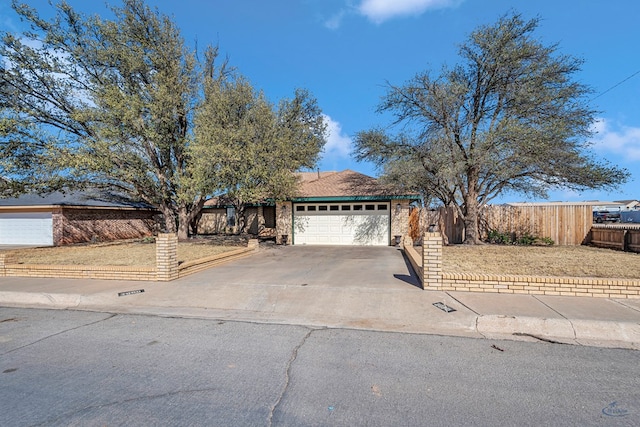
26, 229
341, 224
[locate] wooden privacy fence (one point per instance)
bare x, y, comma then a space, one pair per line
564, 224
625, 237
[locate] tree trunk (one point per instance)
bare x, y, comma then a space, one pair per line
183, 224
169, 220
471, 232
442, 225
241, 220
194, 223
186, 215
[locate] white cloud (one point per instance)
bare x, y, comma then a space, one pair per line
379, 11
624, 141
338, 144
335, 21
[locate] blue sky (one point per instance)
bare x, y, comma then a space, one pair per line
344, 51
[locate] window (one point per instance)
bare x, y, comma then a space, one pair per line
357, 207
346, 207
311, 208
382, 207
299, 208
231, 216
322, 208
370, 207
334, 207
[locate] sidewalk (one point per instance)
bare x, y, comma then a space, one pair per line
571, 320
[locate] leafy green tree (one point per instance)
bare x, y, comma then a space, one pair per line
508, 118
248, 149
111, 104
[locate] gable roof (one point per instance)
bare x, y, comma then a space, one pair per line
334, 186
345, 184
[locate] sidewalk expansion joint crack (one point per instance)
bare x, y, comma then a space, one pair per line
573, 328
625, 305
461, 303
287, 378
478, 329
549, 307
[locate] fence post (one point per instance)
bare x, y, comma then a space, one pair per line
432, 260
167, 257
625, 240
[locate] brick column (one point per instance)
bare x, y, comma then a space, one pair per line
432, 260
284, 211
3, 262
167, 257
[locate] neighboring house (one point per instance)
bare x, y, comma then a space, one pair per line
331, 208
629, 204
75, 217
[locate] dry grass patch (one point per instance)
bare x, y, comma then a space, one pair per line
573, 261
130, 253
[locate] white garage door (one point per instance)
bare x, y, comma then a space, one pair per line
26, 229
341, 224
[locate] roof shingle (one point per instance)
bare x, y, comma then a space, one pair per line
346, 183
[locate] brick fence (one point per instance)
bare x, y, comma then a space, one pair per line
427, 262
166, 269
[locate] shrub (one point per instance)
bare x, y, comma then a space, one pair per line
499, 238
545, 241
526, 239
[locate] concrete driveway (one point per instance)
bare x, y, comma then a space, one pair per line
316, 266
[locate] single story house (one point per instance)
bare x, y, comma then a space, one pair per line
219, 218
75, 217
627, 205
331, 208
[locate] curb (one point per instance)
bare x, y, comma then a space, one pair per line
561, 330
42, 300
596, 333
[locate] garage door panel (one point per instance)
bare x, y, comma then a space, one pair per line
341, 227
26, 229
371, 229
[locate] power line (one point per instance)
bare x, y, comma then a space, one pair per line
616, 85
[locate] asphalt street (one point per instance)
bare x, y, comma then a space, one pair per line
60, 367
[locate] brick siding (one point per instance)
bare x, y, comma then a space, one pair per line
75, 225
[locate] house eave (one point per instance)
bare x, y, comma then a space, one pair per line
353, 198
54, 207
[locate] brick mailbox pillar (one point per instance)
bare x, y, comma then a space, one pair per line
432, 260
4, 260
167, 257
